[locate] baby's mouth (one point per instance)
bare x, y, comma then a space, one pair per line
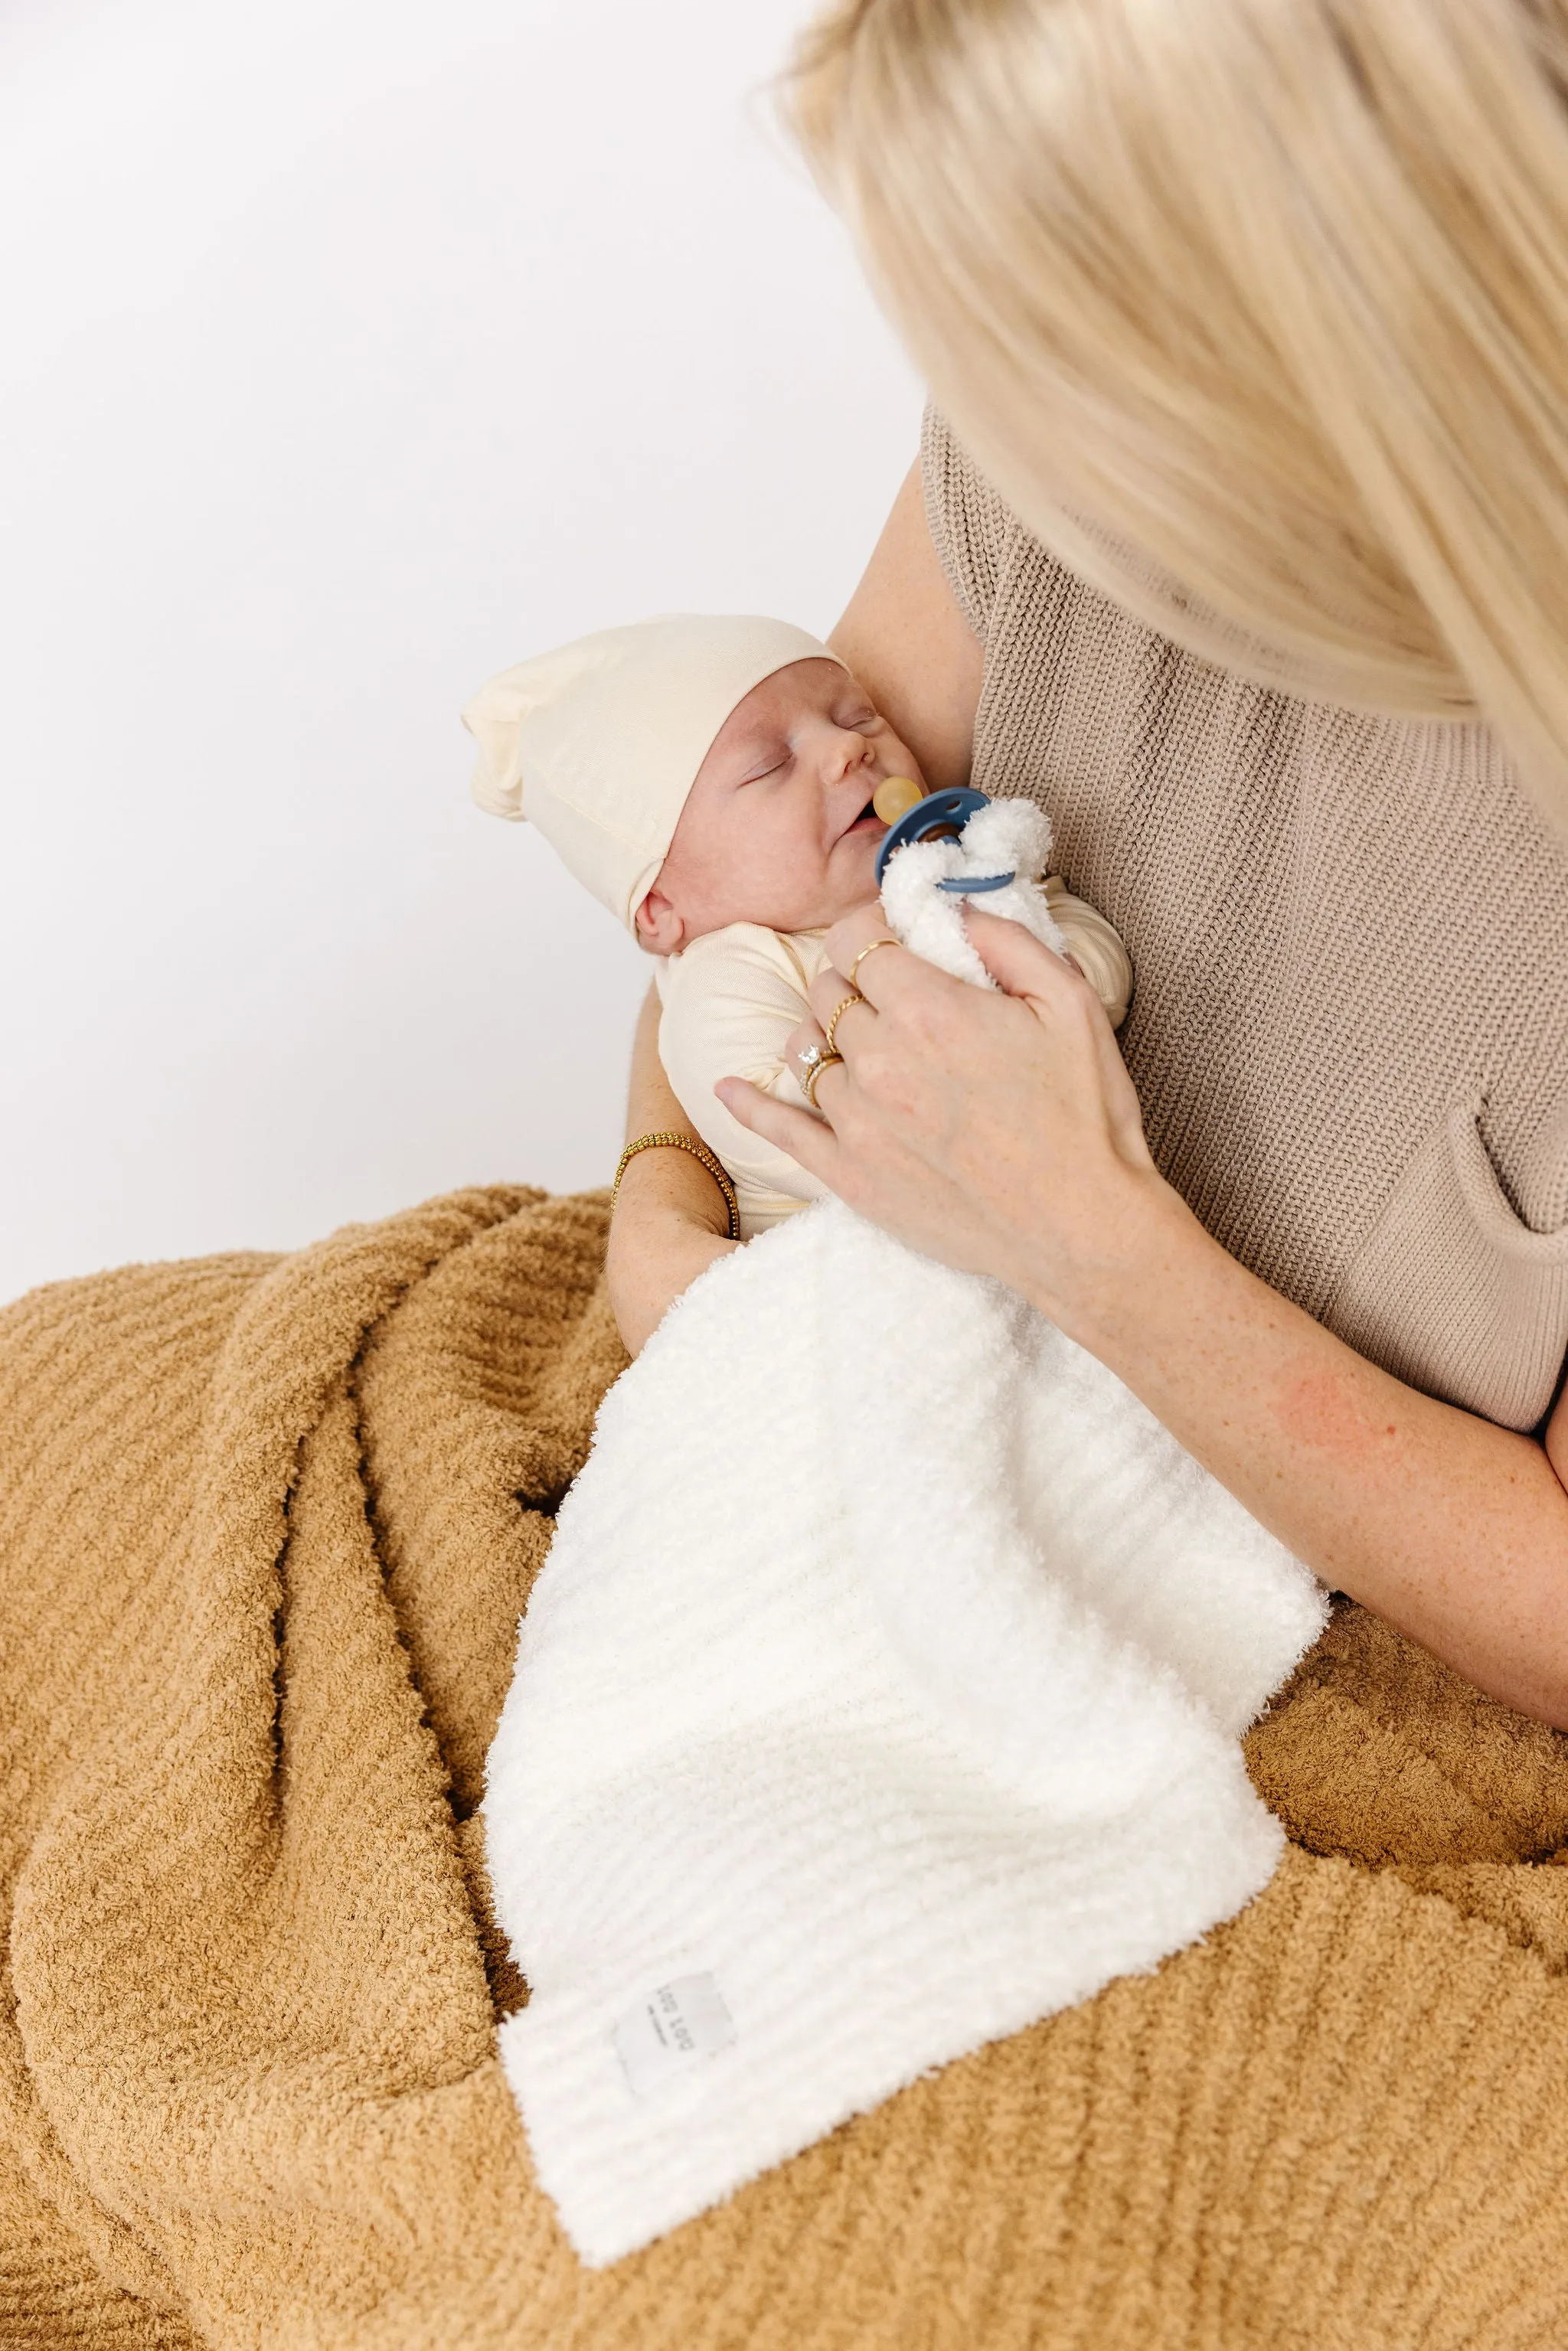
867, 817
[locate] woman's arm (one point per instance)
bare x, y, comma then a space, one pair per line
910, 646
671, 1219
906, 641
1000, 1133
1452, 1529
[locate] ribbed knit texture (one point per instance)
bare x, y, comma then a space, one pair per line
1349, 935
265, 1528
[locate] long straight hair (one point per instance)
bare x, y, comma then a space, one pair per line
1255, 310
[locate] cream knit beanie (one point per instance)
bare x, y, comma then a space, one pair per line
598, 742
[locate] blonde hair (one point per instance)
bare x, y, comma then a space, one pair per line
1255, 310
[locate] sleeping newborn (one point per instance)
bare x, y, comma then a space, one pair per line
711, 781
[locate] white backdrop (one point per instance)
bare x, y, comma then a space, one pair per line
354, 349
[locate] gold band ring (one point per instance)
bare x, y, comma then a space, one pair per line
813, 1062
855, 966
837, 1014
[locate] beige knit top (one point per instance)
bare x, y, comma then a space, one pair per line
1349, 934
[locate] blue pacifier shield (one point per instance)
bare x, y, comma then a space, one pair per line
938, 812
975, 885
942, 812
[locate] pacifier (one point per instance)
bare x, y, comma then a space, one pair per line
911, 814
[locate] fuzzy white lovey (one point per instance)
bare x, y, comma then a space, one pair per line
1004, 837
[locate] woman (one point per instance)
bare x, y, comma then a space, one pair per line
1246, 547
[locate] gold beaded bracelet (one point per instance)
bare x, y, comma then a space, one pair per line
666, 1139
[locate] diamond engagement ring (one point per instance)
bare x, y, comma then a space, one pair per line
813, 1062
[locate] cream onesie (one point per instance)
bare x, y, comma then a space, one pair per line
730, 1000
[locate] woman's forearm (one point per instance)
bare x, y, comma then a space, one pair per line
671, 1220
1452, 1529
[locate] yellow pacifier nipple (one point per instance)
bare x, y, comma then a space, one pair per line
895, 796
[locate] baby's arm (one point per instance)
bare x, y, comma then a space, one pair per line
729, 1002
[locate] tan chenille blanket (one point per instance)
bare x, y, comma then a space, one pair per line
265, 1526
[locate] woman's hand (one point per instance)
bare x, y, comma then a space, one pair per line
1000, 1132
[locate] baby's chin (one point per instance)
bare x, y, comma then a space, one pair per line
836, 902
850, 878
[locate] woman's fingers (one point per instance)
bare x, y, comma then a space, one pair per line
1021, 965
1015, 960
845, 941
1056, 990
836, 1005
799, 1040
888, 980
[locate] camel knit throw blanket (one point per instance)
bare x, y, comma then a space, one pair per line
265, 1528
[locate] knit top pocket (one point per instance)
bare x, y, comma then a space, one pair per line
1452, 1292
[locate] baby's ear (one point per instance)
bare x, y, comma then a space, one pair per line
660, 929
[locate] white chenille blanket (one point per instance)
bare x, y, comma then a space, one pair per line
880, 1695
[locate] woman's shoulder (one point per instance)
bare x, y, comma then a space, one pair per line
971, 523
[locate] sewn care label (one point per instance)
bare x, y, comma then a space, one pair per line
673, 2026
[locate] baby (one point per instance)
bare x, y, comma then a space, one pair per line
711, 781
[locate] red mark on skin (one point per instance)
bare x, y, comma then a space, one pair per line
1325, 1412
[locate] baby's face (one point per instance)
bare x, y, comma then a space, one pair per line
777, 828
